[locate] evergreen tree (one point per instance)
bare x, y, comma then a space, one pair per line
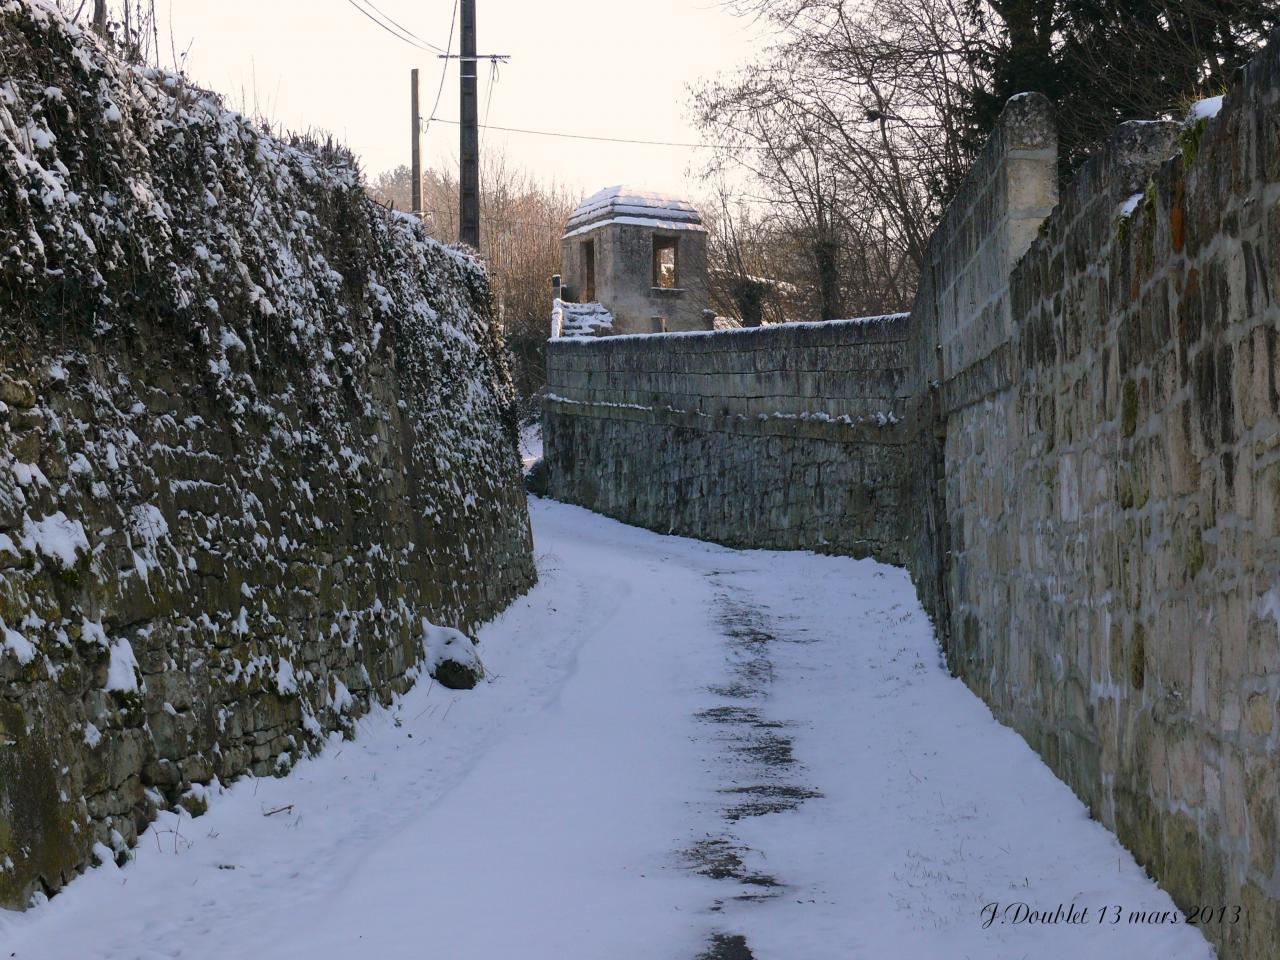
1106, 61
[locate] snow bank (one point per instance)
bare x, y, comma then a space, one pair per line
791, 713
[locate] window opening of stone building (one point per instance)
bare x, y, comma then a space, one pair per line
665, 251
588, 271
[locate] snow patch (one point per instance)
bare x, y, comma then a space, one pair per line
57, 537
29, 475
651, 222
149, 523
342, 699
445, 643
626, 204
17, 644
761, 330
105, 856
579, 319
1131, 204
91, 631
1269, 604
530, 444
1204, 109
122, 673
286, 678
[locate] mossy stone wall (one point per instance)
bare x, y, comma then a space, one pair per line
253, 430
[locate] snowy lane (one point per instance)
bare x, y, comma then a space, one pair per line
679, 742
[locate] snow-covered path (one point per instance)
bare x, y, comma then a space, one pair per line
682, 748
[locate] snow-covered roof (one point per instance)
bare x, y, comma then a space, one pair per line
625, 204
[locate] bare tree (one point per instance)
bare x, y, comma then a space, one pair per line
131, 25
849, 127
744, 255
861, 120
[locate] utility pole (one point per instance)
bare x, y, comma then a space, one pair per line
416, 149
469, 125
469, 131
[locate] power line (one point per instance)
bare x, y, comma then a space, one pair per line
444, 69
453, 215
493, 82
369, 4
429, 47
407, 36
583, 136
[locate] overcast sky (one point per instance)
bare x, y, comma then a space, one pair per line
600, 67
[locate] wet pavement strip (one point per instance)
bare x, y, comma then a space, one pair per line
754, 762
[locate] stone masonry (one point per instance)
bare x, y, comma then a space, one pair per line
254, 431
784, 437
608, 256
1090, 461
1113, 503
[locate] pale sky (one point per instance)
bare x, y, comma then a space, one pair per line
599, 67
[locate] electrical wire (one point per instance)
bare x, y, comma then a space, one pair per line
444, 70
484, 124
493, 82
369, 4
402, 33
583, 136
452, 215
405, 35
430, 48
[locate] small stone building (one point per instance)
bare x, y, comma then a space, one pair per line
642, 256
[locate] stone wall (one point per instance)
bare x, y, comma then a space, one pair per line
1089, 457
783, 437
958, 350
253, 430
1113, 503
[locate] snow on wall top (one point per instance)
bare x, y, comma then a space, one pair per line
1205, 109
768, 329
580, 319
626, 204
